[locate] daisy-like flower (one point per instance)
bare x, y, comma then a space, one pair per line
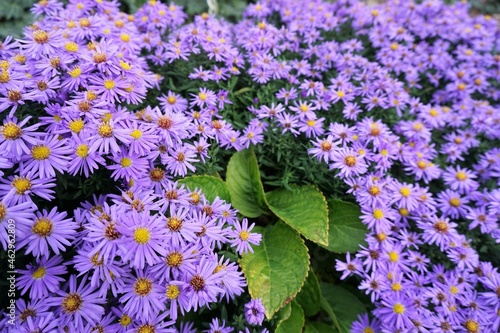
41, 42
49, 231
42, 278
82, 160
241, 237
201, 285
77, 304
143, 237
204, 98
15, 139
128, 165
19, 189
180, 158
322, 148
439, 231
111, 89
102, 231
47, 157
349, 162
143, 297
173, 102
461, 180
255, 312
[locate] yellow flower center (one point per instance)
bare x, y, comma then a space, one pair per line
146, 328
84, 22
105, 130
126, 162
40, 36
378, 214
455, 202
3, 212
125, 66
75, 72
40, 152
421, 164
461, 86
340, 94
42, 227
125, 37
404, 212
368, 329
72, 303
454, 290
21, 184
4, 76
244, 235
174, 223
171, 100
143, 286
405, 192
202, 96
393, 256
304, 108
471, 326
394, 46
174, 259
109, 84
350, 160
125, 320
396, 286
136, 134
76, 125
173, 291
11, 131
71, 47
461, 176
311, 123
142, 235
39, 273
82, 150
398, 308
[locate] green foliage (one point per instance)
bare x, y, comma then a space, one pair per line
310, 295
347, 231
14, 16
304, 209
211, 187
319, 327
278, 268
342, 306
294, 322
245, 187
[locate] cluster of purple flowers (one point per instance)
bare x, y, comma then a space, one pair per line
408, 154
152, 250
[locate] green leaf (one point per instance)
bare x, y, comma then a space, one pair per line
210, 186
346, 230
294, 323
318, 327
304, 209
277, 269
245, 187
345, 306
309, 296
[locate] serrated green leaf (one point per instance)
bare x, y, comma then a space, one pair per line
318, 327
277, 269
295, 321
304, 209
347, 231
345, 306
210, 186
309, 296
243, 182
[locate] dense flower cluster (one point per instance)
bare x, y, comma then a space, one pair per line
152, 249
403, 110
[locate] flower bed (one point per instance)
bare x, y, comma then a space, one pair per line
316, 167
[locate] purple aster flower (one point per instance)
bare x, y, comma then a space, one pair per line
77, 304
127, 165
49, 231
397, 312
22, 213
42, 278
364, 325
349, 267
348, 161
14, 137
241, 237
47, 157
142, 297
173, 102
143, 237
459, 179
180, 158
204, 98
255, 312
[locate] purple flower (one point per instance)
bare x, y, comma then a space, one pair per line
241, 237
42, 279
255, 312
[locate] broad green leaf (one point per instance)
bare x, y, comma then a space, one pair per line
309, 296
294, 323
245, 187
284, 313
346, 230
318, 327
345, 306
277, 269
210, 186
304, 209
